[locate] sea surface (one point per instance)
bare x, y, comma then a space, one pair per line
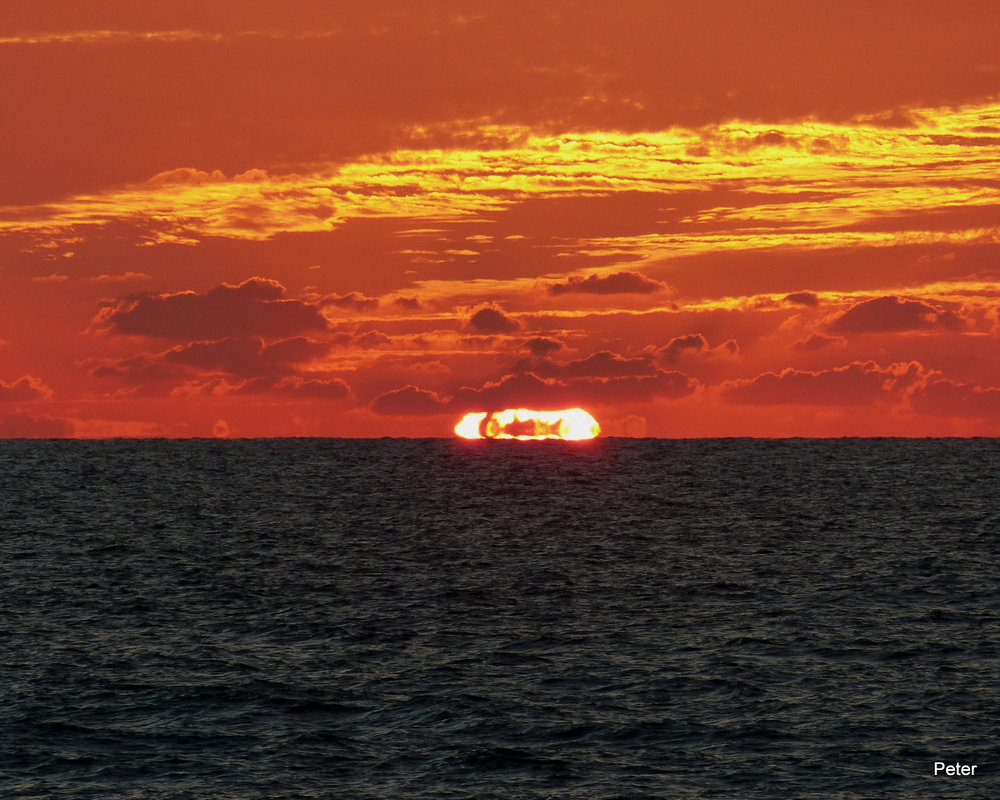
401, 619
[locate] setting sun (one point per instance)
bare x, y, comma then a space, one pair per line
570, 424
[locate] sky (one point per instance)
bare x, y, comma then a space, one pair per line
311, 218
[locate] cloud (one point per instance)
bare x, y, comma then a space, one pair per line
149, 369
24, 389
408, 303
855, 384
679, 345
124, 277
605, 364
351, 300
896, 118
256, 307
690, 73
300, 387
25, 426
366, 340
120, 278
293, 387
909, 385
770, 139
512, 391
892, 313
695, 344
541, 346
817, 341
617, 283
247, 356
810, 299
185, 176
409, 401
602, 364
944, 397
729, 347
636, 388
492, 319
529, 390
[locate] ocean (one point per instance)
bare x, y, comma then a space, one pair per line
402, 619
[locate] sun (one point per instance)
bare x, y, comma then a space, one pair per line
571, 424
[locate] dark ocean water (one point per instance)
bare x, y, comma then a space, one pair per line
447, 619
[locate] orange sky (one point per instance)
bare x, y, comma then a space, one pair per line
367, 218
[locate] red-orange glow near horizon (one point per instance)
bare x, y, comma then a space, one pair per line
571, 424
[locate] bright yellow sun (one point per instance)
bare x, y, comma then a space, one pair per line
570, 424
